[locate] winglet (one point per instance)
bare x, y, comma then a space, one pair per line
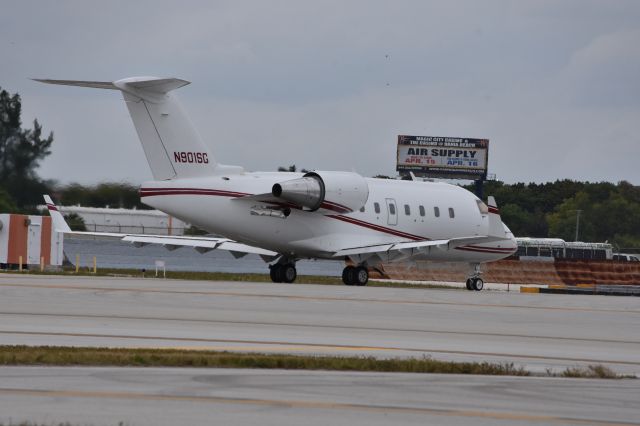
496, 227
493, 207
59, 224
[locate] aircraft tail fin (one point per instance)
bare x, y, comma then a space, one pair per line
171, 144
59, 224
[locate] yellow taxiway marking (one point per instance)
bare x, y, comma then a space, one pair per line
313, 298
313, 346
288, 403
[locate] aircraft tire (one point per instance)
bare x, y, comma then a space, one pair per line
349, 275
276, 273
361, 276
478, 284
289, 273
469, 284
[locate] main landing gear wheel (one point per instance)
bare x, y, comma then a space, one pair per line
280, 273
362, 276
348, 275
352, 275
478, 284
475, 284
289, 273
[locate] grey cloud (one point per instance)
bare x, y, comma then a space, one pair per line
330, 84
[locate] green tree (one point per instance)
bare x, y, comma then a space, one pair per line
112, 194
75, 222
21, 151
6, 203
608, 212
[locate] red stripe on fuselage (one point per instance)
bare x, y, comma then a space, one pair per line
378, 228
152, 192
329, 205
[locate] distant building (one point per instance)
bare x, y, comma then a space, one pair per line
127, 221
29, 240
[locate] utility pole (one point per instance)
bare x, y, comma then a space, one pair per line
577, 223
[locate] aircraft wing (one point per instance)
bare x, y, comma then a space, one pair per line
406, 250
202, 244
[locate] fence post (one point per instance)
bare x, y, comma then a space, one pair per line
20, 264
77, 263
41, 263
95, 265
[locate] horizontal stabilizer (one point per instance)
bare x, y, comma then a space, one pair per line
80, 83
138, 86
153, 84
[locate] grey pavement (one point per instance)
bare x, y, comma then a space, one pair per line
170, 396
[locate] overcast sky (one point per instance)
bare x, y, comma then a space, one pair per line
328, 85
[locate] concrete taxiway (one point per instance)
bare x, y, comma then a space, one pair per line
171, 396
537, 331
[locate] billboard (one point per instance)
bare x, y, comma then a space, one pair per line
443, 157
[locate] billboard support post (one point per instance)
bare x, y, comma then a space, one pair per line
480, 188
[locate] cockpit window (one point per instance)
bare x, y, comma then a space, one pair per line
482, 207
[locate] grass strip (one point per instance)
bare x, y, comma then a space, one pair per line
123, 357
594, 372
130, 357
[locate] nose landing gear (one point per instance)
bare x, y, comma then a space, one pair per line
474, 282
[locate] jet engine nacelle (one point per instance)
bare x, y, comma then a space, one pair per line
342, 192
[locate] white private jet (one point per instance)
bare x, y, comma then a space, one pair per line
285, 217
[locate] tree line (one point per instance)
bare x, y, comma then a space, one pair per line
607, 211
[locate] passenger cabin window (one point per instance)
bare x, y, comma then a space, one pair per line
436, 211
376, 207
392, 208
421, 208
452, 214
407, 210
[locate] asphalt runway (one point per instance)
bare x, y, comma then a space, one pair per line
177, 396
537, 331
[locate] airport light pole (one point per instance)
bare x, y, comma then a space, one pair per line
577, 223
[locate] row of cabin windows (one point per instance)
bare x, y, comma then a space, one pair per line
407, 210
